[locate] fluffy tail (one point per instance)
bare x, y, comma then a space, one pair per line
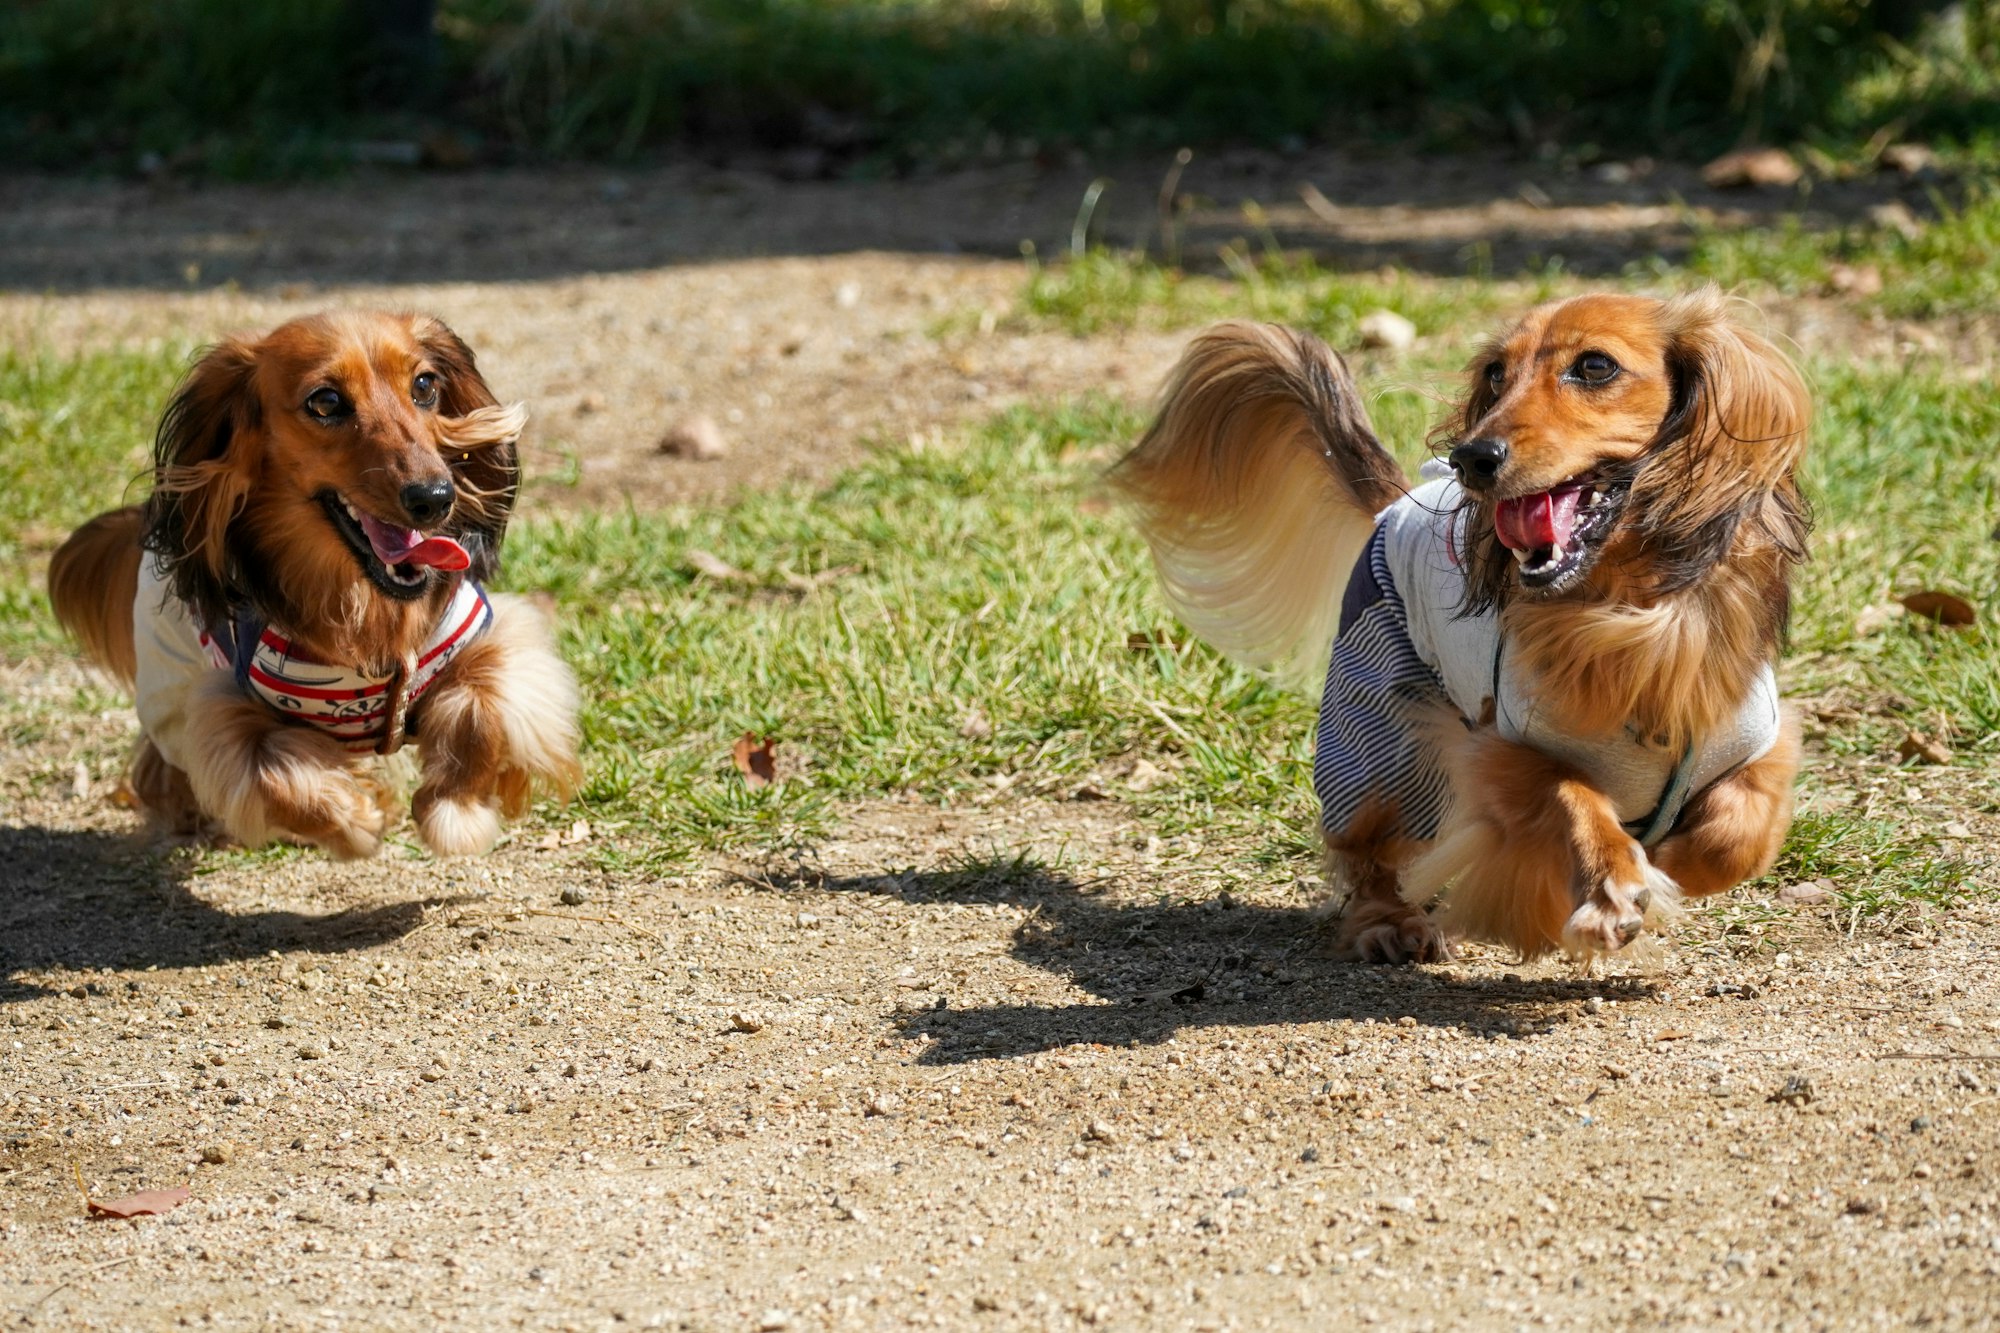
1257, 487
93, 581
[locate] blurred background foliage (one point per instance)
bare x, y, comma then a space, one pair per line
262, 86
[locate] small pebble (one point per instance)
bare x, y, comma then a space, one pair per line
774, 1321
883, 1103
697, 438
1386, 330
312, 1052
215, 1154
746, 1022
574, 897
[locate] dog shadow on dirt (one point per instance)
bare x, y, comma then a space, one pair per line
1159, 967
82, 900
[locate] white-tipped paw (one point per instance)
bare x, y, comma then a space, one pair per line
1616, 913
452, 826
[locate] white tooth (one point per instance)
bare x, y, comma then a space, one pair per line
1520, 556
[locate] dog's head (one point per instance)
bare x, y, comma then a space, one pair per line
1614, 437
341, 463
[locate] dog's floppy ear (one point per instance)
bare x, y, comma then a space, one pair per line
1725, 459
479, 439
203, 471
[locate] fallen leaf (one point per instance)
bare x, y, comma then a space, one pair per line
1090, 791
710, 565
1806, 895
578, 832
1922, 748
1943, 607
1140, 641
1954, 829
146, 1203
976, 726
79, 781
805, 583
1855, 279
1672, 1034
756, 760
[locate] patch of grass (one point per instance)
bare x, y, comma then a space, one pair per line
1944, 267
1106, 289
75, 439
981, 575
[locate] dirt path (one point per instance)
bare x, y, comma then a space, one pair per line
898, 1085
885, 1090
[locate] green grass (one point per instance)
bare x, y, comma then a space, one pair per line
1945, 268
979, 574
1110, 290
247, 86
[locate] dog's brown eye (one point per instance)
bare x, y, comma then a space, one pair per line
327, 404
1593, 368
1496, 375
424, 392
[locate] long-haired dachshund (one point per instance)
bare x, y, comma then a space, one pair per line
303, 590
1550, 708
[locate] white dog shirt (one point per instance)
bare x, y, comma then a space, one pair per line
1403, 652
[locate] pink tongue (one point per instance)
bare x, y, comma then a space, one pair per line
1532, 521
407, 546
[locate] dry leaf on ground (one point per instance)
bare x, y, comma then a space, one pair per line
711, 565
756, 760
146, 1203
1946, 608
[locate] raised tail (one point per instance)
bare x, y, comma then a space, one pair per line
1257, 487
93, 581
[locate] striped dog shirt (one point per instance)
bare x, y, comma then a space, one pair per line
1403, 654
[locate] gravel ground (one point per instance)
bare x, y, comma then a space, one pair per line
873, 1088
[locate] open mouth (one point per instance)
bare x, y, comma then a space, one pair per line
397, 560
1554, 535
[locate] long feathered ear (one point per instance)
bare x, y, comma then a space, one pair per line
1486, 563
1723, 468
203, 471
480, 441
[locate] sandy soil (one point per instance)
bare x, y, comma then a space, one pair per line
871, 1089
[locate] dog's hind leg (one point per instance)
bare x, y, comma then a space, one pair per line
499, 723
162, 792
1732, 831
1378, 926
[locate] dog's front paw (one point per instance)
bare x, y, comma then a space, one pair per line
353, 822
458, 826
1614, 914
1393, 933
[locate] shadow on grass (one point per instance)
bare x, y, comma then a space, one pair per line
1162, 967
85, 900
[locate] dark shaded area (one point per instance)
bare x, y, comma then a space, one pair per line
1488, 213
83, 901
251, 87
1166, 966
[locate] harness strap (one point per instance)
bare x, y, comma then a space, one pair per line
397, 715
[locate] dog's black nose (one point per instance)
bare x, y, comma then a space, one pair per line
426, 501
1478, 462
